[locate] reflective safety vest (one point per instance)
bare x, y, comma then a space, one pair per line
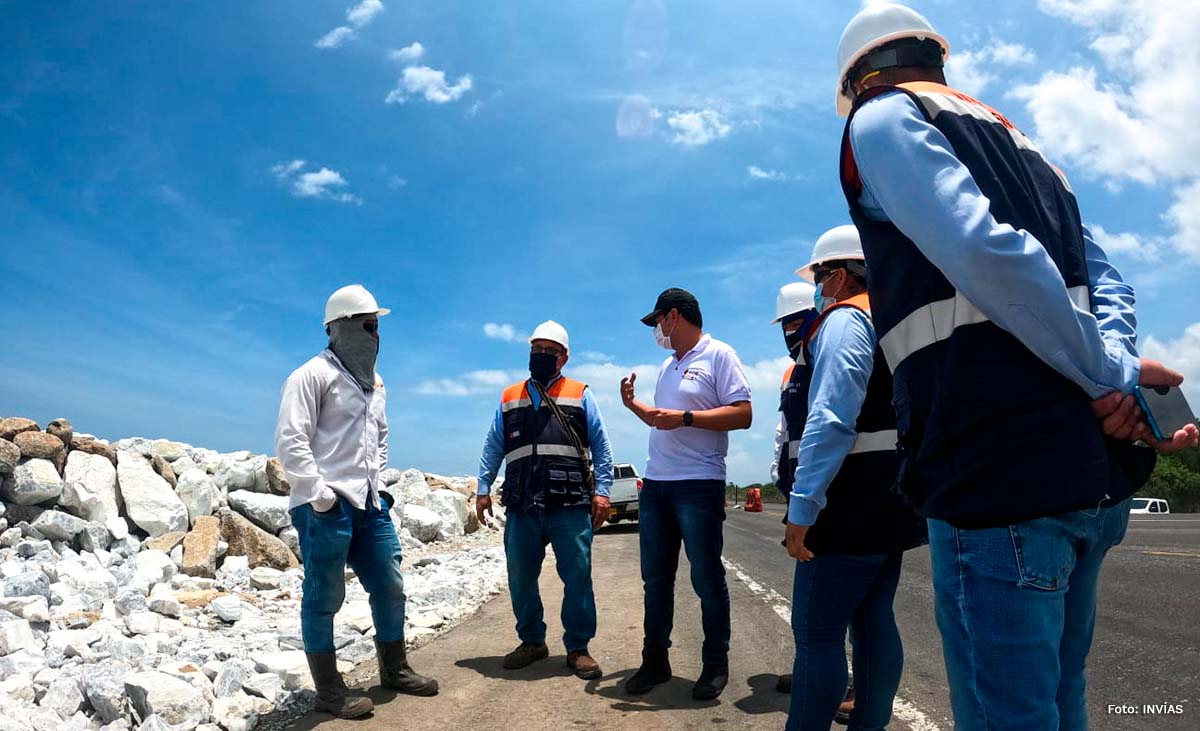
989, 434
863, 514
542, 466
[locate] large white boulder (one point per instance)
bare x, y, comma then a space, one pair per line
90, 489
451, 506
59, 526
269, 512
291, 666
149, 500
173, 700
423, 523
16, 635
33, 481
198, 492
411, 488
235, 474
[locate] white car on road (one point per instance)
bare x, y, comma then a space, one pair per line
623, 499
1150, 505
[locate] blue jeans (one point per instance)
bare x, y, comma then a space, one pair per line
569, 531
1016, 607
690, 512
831, 593
364, 540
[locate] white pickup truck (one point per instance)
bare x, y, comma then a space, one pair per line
623, 498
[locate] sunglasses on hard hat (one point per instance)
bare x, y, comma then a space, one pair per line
820, 275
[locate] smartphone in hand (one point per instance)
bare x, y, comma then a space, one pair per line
1166, 409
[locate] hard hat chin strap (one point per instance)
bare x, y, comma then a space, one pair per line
908, 53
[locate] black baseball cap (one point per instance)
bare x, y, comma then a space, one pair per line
679, 299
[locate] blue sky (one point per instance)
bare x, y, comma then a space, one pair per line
184, 185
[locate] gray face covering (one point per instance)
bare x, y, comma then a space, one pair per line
355, 348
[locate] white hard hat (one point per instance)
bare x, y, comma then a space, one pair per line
351, 300
837, 243
551, 330
793, 298
872, 27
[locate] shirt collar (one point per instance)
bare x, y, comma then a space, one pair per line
701, 346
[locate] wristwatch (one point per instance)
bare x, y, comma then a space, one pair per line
687, 418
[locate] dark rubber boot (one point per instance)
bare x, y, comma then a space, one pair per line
784, 684
655, 670
712, 680
333, 696
395, 672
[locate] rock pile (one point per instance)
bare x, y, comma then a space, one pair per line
151, 584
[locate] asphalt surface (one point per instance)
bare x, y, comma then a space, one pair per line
1147, 646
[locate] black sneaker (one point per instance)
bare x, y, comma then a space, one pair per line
711, 682
655, 670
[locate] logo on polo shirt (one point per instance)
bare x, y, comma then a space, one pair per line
693, 374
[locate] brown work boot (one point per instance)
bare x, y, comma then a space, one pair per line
846, 706
332, 694
583, 664
526, 654
395, 672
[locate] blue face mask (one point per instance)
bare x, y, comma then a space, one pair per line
820, 301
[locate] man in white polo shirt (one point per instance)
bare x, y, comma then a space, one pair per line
701, 395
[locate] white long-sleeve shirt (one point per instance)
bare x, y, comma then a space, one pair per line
331, 436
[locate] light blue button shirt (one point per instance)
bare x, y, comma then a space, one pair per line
912, 178
493, 446
843, 355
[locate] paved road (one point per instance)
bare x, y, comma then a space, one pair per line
1147, 647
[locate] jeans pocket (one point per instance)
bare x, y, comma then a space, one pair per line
1044, 554
333, 513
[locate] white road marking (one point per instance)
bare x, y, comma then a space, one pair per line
901, 708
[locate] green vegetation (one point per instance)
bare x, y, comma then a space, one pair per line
1177, 480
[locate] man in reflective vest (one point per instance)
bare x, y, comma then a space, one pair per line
1012, 344
543, 431
846, 527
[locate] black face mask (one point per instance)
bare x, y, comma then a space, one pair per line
795, 341
543, 366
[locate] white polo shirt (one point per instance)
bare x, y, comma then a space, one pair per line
707, 377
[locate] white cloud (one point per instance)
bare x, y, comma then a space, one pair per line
758, 173
335, 38
363, 13
505, 332
323, 183
285, 170
1129, 117
1127, 244
430, 84
1182, 354
697, 127
974, 71
408, 54
396, 182
472, 383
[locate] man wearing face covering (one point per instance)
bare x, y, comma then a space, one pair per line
332, 442
543, 431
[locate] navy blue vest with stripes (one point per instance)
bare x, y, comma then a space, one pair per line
863, 513
989, 434
542, 467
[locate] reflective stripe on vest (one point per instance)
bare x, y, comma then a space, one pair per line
552, 450
875, 441
937, 321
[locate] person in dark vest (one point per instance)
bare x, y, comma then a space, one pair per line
794, 313
847, 528
549, 496
1012, 345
